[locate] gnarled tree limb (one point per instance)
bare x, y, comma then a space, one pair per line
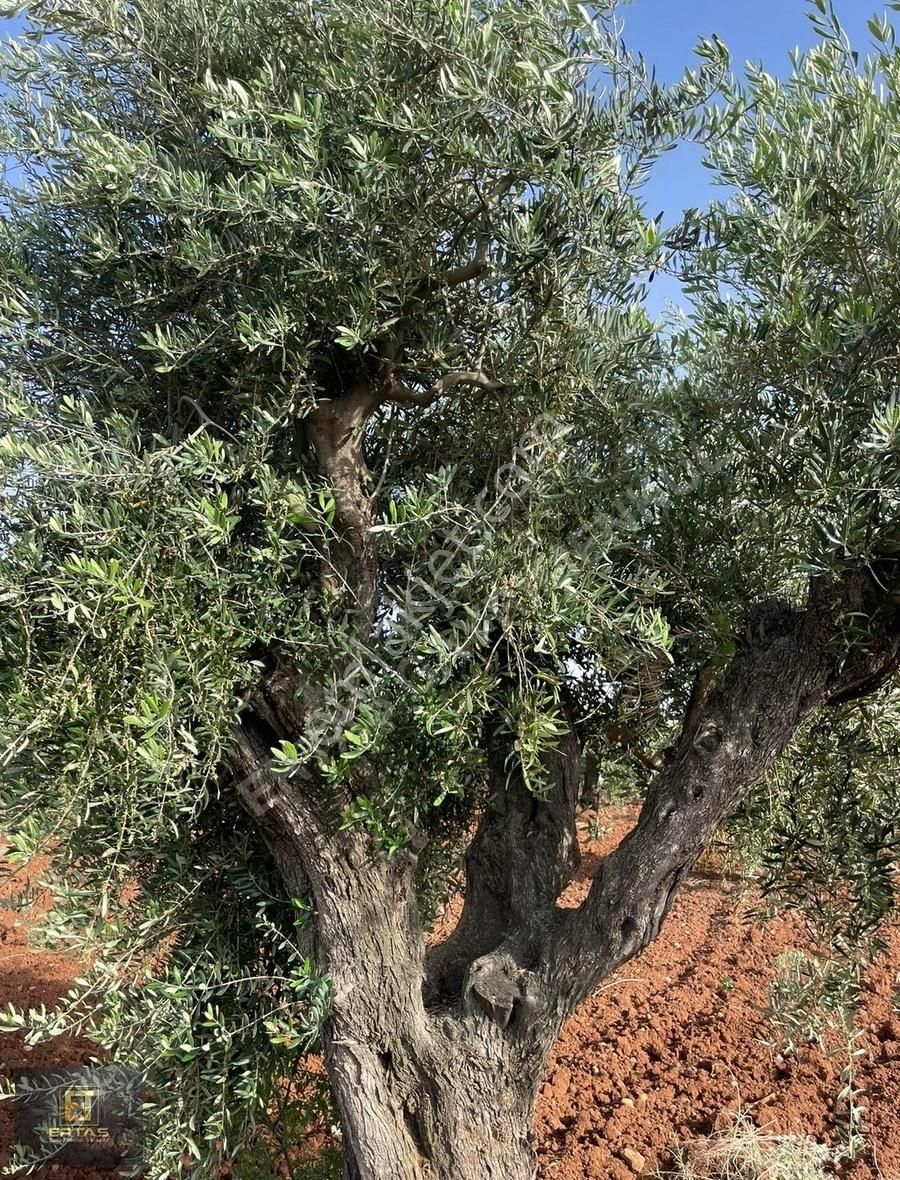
790, 662
522, 855
396, 391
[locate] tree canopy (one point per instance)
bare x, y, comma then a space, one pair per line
325, 355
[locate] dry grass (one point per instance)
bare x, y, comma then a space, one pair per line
743, 1153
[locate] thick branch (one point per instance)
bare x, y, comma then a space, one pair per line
294, 812
392, 346
396, 391
360, 896
459, 274
524, 852
789, 663
336, 431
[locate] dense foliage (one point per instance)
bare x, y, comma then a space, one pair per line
796, 291
226, 213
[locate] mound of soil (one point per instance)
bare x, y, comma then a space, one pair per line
667, 1049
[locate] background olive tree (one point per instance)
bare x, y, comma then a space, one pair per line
795, 286
350, 495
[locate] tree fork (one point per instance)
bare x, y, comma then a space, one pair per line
420, 1096
435, 1072
435, 1066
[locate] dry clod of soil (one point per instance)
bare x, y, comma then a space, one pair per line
634, 1159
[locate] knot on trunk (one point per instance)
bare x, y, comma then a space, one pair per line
494, 985
768, 621
708, 738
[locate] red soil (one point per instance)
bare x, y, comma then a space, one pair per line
664, 1051
29, 978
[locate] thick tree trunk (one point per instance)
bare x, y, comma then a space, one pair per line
455, 1113
422, 1093
435, 1066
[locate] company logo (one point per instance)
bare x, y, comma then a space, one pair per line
89, 1116
79, 1107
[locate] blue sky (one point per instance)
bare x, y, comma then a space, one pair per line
665, 31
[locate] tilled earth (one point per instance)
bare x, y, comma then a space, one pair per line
666, 1050
673, 1044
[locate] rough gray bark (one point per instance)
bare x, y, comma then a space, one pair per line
350, 573
521, 857
435, 1061
420, 1093
789, 663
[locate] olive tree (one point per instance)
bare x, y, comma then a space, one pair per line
351, 496
793, 278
